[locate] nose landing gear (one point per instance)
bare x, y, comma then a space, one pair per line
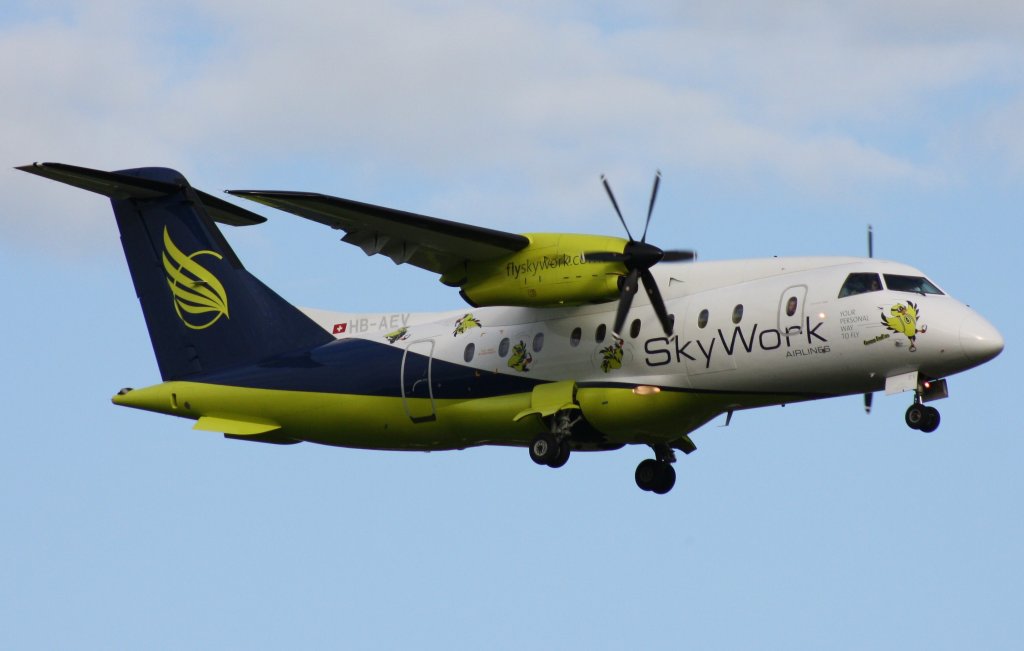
922, 418
919, 416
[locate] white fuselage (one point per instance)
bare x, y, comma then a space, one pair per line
756, 339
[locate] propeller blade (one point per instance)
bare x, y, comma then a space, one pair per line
871, 242
650, 208
604, 256
679, 256
638, 257
615, 204
651, 287
629, 287
867, 402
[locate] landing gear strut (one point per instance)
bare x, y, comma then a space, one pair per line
552, 449
921, 417
657, 475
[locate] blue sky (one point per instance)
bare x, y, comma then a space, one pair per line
780, 131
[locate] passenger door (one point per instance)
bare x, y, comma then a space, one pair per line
791, 309
417, 383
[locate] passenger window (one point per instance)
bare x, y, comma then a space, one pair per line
737, 314
538, 342
860, 283
634, 328
574, 338
469, 352
702, 319
791, 306
599, 335
915, 284
503, 347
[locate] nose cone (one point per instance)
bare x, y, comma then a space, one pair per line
979, 339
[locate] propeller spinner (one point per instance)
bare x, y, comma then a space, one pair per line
638, 257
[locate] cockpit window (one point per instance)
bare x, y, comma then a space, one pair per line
860, 283
915, 284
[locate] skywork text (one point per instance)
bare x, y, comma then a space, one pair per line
666, 350
534, 267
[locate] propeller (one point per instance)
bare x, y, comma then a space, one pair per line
638, 257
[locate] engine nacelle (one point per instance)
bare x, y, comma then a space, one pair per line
552, 271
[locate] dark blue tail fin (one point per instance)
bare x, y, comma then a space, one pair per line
204, 311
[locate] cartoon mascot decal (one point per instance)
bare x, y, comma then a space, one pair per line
611, 356
398, 335
465, 323
902, 319
521, 358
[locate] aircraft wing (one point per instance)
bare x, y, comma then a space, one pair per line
430, 243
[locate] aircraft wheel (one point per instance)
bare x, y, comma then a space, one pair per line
656, 476
931, 420
544, 449
562, 457
916, 415
646, 472
666, 478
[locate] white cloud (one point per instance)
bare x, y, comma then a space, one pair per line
539, 94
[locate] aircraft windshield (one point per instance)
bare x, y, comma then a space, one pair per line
915, 284
860, 283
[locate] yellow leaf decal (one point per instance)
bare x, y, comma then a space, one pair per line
199, 298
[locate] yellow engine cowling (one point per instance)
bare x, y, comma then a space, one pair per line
552, 271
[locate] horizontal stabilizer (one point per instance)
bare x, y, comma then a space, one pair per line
123, 186
234, 426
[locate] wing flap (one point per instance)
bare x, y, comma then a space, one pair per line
404, 237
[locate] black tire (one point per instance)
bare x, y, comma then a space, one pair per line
544, 449
563, 455
915, 416
931, 420
647, 474
666, 479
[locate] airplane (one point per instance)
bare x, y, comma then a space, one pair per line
558, 351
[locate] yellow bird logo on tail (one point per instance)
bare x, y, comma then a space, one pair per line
902, 319
199, 298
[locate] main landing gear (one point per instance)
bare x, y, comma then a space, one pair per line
552, 449
657, 475
547, 450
